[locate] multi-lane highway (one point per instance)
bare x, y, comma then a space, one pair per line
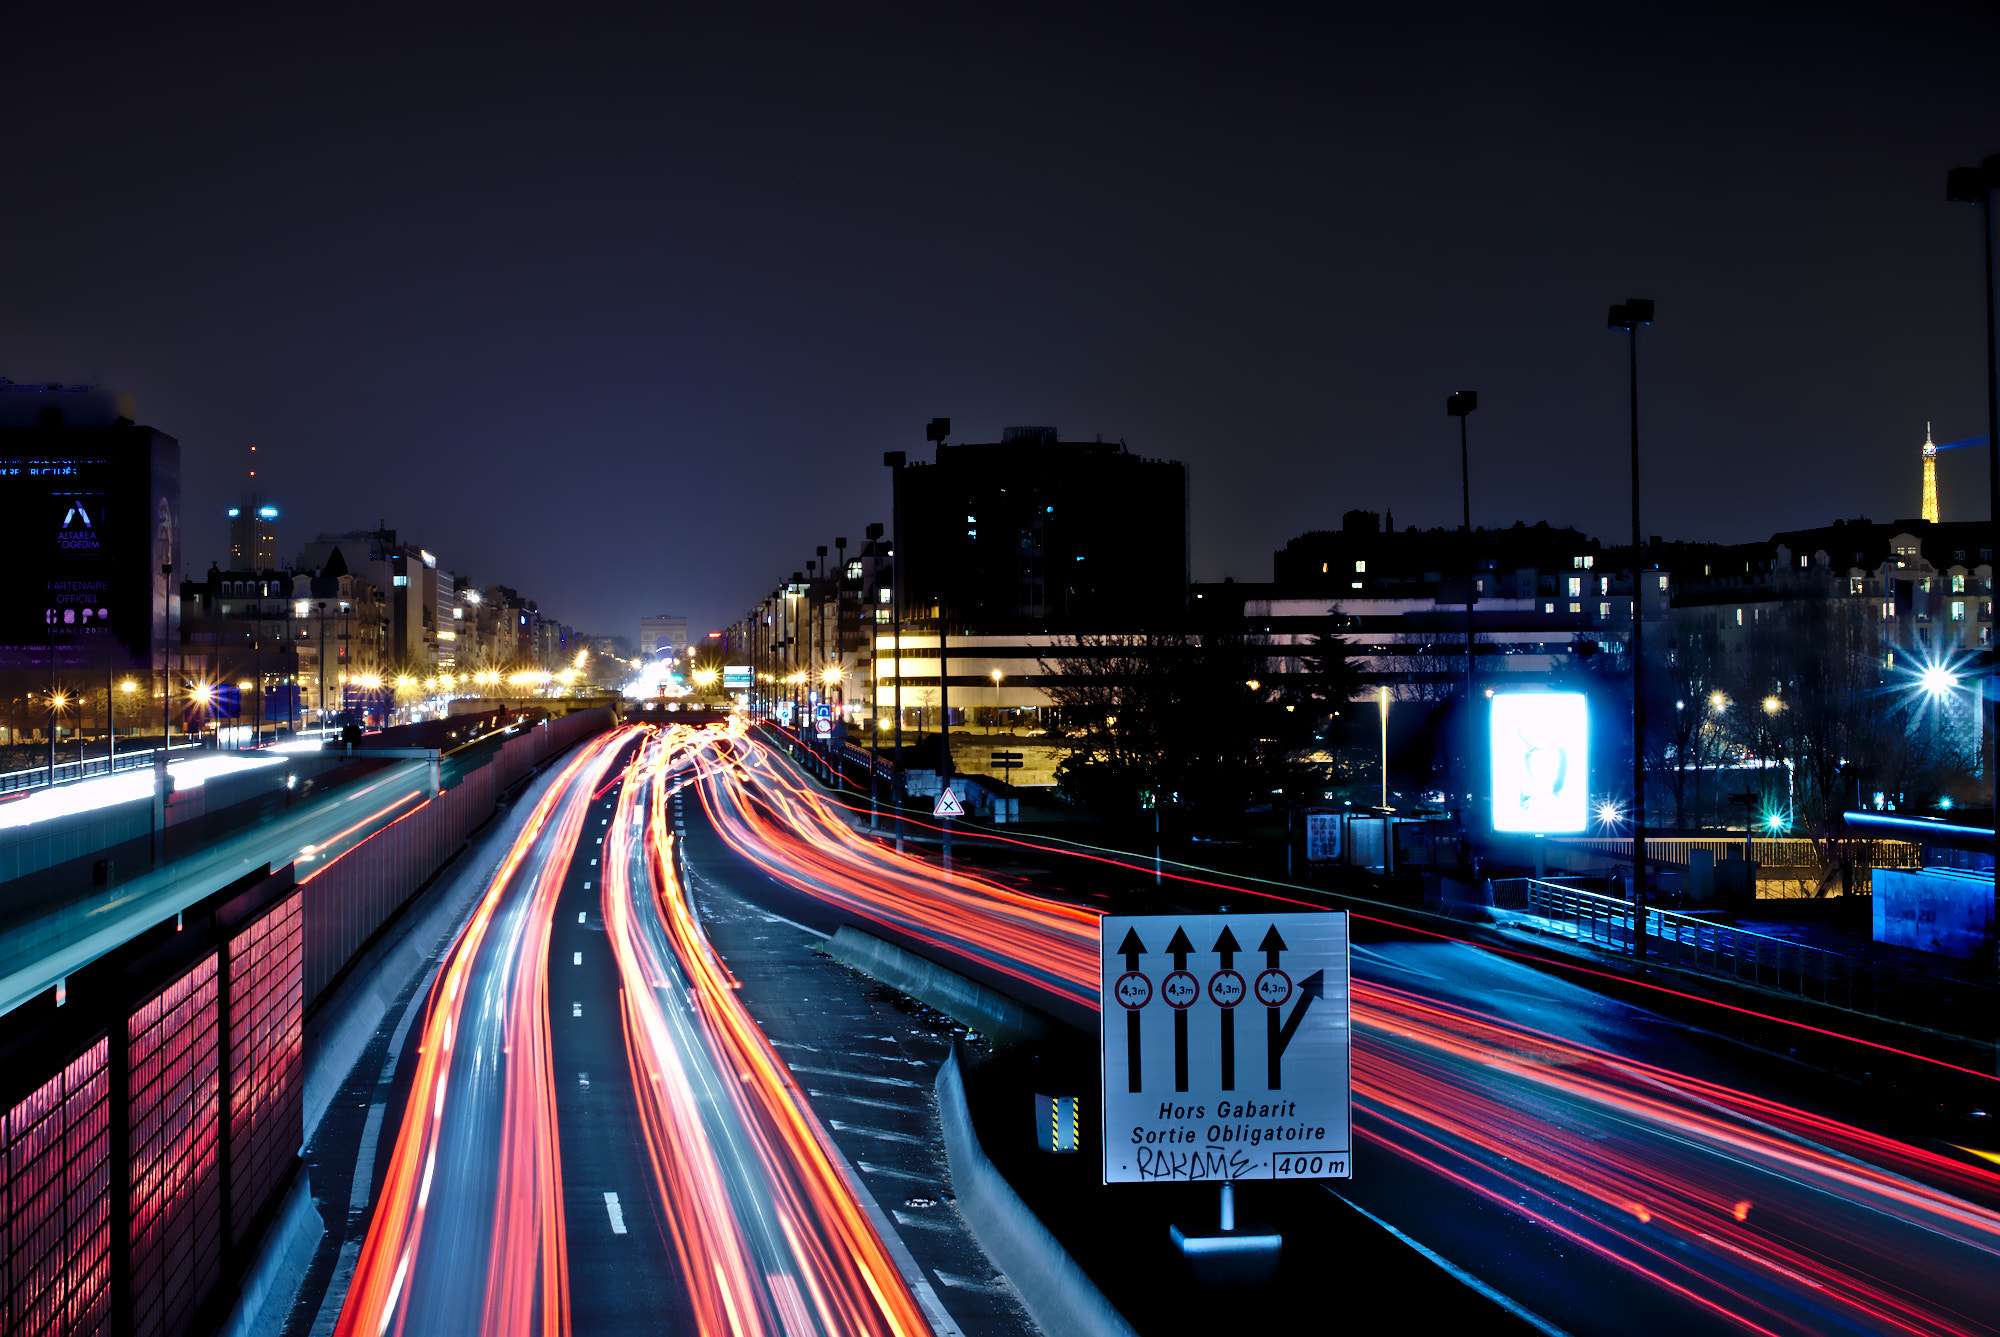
1578, 1154
595, 1136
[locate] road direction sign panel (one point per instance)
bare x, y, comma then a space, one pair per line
947, 804
1216, 1068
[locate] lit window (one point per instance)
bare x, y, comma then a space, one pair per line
1604, 610
458, 615
1548, 608
399, 581
1855, 584
1888, 611
1739, 617
1354, 584
1958, 584
1663, 582
882, 595
1958, 610
1604, 584
1360, 568
1589, 562
1576, 608
1804, 560
1575, 586
300, 608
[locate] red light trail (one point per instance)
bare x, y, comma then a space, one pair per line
1759, 1214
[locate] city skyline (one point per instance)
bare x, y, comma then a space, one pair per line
1266, 249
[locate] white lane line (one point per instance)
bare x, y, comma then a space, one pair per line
1513, 1307
920, 1222
858, 1076
1394, 965
884, 1134
870, 1169
957, 1282
861, 1100
616, 1213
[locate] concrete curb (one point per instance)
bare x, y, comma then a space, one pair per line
1056, 1293
283, 1256
991, 1013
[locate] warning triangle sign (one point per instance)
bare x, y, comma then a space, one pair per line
947, 804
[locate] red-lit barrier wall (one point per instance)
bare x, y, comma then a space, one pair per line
175, 1167
55, 1181
352, 896
207, 1060
266, 1072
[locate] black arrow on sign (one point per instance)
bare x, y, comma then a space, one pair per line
1270, 947
1132, 949
1311, 987
1272, 944
1227, 947
1179, 949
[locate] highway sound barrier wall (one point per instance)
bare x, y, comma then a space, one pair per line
151, 1107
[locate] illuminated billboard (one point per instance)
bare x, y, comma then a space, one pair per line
737, 677
1541, 762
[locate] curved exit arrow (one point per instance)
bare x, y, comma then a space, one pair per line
1311, 987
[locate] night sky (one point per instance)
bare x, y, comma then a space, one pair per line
622, 308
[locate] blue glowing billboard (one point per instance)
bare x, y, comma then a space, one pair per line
1541, 762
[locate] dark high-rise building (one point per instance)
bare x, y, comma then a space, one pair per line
253, 535
93, 505
1032, 534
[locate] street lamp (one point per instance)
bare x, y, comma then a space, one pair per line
937, 431
1460, 404
874, 534
996, 675
893, 460
1629, 316
1976, 185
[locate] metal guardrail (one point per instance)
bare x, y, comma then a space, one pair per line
37, 777
1910, 993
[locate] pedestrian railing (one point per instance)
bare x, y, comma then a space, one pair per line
1914, 992
37, 777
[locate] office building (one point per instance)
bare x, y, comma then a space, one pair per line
1035, 534
93, 502
253, 535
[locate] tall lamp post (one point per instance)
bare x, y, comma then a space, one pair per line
1629, 316
166, 656
937, 431
874, 535
893, 460
1976, 185
1460, 404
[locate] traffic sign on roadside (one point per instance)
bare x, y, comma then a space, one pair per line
1186, 1097
823, 727
947, 804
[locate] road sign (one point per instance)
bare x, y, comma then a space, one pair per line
823, 727
1006, 761
822, 711
1178, 1105
947, 804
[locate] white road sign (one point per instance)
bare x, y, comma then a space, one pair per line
1226, 1047
947, 804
